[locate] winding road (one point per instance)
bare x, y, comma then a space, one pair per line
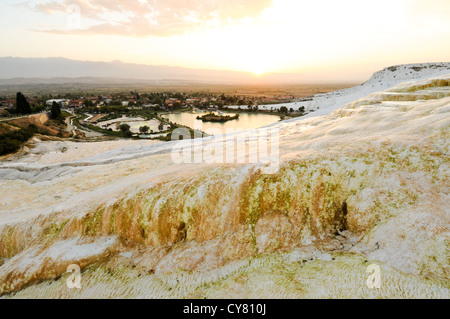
73, 128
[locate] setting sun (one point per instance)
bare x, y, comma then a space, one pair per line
258, 71
257, 67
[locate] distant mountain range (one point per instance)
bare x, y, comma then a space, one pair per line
57, 70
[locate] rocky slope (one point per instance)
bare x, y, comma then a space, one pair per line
365, 184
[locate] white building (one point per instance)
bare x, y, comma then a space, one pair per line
61, 102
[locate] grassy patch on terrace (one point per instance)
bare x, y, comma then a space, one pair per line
432, 84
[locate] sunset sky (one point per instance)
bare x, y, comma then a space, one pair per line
346, 39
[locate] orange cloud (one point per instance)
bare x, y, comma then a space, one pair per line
143, 18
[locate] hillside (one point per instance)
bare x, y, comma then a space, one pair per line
15, 132
363, 180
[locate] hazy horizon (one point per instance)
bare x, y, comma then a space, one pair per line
60, 67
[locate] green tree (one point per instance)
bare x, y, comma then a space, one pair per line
88, 103
22, 105
284, 109
144, 129
124, 128
55, 112
116, 103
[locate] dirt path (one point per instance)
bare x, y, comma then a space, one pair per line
70, 126
73, 128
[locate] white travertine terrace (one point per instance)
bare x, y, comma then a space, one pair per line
363, 178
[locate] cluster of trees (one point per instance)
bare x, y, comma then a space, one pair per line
88, 103
113, 109
285, 110
144, 129
11, 142
157, 98
125, 129
211, 117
